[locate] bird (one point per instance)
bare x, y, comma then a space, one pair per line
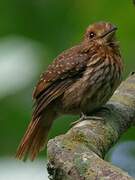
80, 80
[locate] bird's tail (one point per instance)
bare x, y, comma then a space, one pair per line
36, 137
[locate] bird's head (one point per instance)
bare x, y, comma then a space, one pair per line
101, 33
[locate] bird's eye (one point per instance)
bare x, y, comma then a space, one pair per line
92, 34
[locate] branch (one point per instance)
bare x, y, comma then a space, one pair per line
78, 154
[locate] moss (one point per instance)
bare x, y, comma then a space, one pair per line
130, 85
81, 164
69, 145
125, 100
91, 175
72, 140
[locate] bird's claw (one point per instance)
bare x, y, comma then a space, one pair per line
85, 117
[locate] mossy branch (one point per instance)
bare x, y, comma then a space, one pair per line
78, 154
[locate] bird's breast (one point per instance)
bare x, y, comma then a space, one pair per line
103, 80
100, 79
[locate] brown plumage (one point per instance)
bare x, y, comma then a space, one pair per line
81, 79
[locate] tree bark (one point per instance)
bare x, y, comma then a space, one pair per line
78, 154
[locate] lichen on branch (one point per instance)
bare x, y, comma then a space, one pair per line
78, 154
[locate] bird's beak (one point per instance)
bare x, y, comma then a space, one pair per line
109, 34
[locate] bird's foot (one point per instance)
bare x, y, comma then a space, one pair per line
85, 117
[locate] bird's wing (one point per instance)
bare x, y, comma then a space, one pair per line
65, 69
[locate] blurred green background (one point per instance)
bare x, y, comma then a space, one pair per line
32, 33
